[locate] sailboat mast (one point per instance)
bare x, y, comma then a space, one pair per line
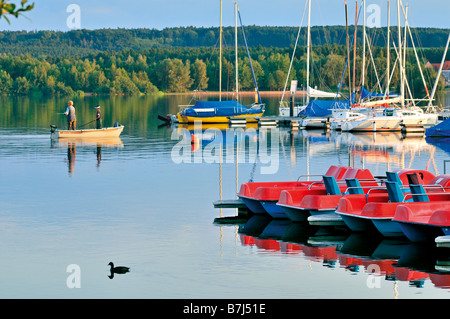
388, 50
415, 53
354, 49
400, 58
363, 74
236, 50
348, 55
308, 48
404, 50
220, 54
439, 72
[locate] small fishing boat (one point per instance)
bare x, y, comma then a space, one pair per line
107, 132
261, 197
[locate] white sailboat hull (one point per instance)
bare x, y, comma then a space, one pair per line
388, 123
312, 123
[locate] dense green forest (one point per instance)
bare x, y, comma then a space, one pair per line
144, 61
83, 42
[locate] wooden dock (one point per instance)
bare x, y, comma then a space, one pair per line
293, 122
412, 128
242, 216
229, 203
326, 220
443, 241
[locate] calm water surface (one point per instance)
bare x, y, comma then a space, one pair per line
146, 201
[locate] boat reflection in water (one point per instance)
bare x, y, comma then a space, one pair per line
85, 142
395, 260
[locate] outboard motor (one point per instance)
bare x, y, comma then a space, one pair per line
52, 128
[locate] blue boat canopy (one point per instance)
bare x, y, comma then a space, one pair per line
219, 108
442, 129
317, 108
324, 107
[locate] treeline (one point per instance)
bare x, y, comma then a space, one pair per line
154, 70
84, 42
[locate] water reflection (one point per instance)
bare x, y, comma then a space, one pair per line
393, 260
71, 155
166, 211
87, 143
334, 247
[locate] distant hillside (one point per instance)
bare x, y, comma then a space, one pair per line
84, 42
143, 61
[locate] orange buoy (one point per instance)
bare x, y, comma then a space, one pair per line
194, 139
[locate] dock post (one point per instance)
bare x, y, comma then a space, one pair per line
291, 111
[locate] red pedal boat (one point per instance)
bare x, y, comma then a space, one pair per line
259, 196
375, 211
422, 221
298, 204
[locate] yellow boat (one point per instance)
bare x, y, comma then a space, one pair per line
219, 112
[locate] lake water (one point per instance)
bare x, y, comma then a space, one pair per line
146, 201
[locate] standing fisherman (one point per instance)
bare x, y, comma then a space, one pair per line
99, 117
71, 118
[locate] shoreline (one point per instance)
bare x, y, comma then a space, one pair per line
243, 93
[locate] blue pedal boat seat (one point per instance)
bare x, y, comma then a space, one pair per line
331, 186
418, 193
393, 177
394, 191
354, 187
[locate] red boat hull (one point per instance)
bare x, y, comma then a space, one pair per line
253, 193
422, 221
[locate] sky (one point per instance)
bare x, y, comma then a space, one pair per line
159, 14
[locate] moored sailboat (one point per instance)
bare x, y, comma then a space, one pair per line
285, 110
388, 113
221, 111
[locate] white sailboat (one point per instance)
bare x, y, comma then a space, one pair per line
285, 110
391, 114
339, 112
389, 119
